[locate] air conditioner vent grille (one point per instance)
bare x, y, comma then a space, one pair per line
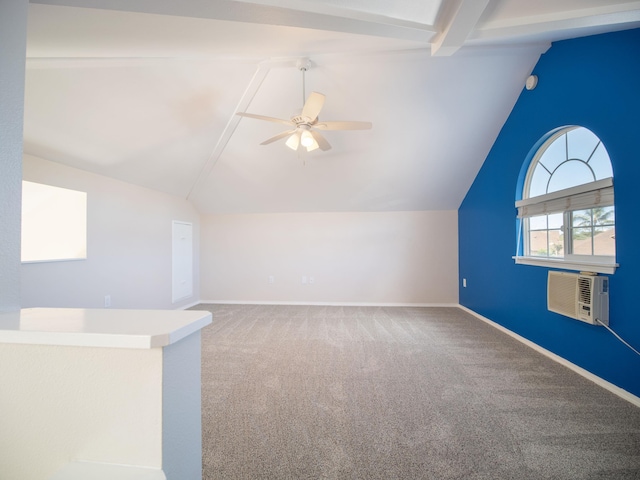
584, 289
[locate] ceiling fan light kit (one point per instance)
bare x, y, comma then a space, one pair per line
306, 125
306, 139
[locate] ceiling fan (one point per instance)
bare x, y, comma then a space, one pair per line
305, 126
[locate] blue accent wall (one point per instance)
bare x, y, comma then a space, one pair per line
593, 82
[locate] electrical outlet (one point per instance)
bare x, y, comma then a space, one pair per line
107, 300
272, 279
312, 280
304, 280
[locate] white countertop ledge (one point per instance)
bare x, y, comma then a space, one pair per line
112, 328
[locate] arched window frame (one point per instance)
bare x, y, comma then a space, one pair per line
561, 204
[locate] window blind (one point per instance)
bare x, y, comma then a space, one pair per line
581, 197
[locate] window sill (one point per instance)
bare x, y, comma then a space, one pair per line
608, 268
24, 262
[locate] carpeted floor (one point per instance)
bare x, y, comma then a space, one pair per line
304, 392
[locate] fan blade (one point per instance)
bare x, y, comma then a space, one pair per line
277, 137
262, 117
321, 141
294, 141
343, 125
313, 105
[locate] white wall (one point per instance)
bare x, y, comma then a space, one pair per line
128, 245
13, 41
381, 257
78, 403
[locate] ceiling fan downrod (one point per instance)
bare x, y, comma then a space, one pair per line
303, 65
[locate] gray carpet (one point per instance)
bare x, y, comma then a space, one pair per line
398, 393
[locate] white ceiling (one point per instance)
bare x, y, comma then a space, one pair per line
146, 92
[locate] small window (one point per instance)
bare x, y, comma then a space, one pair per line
54, 223
566, 217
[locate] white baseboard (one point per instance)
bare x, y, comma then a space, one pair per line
327, 304
189, 305
80, 470
629, 397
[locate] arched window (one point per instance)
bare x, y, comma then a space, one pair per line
566, 214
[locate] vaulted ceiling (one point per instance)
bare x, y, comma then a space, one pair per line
147, 92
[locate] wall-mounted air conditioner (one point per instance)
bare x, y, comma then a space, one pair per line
579, 296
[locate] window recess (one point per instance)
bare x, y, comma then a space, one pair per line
566, 218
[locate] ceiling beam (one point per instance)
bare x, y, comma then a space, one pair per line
229, 129
605, 17
247, 97
330, 19
458, 27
